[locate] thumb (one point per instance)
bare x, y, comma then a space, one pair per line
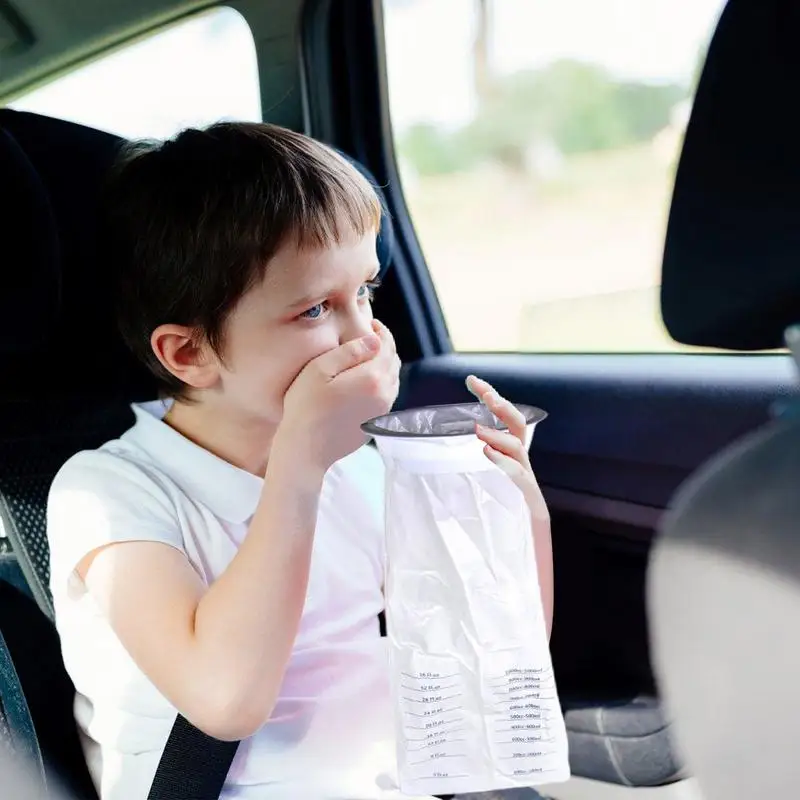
349, 355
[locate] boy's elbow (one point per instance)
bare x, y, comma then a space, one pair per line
225, 730
230, 718
228, 727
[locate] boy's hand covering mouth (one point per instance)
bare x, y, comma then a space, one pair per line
335, 393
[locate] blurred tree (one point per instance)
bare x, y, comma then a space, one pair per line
577, 106
432, 151
481, 63
646, 109
574, 106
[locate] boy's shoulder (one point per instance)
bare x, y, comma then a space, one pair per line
122, 470
115, 468
106, 496
120, 466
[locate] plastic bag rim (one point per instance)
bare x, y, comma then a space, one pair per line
533, 416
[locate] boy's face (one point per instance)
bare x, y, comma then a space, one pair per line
309, 302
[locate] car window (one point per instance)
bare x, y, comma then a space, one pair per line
195, 72
537, 143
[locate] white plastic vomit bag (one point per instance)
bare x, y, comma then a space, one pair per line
475, 696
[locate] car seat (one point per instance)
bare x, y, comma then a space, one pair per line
67, 382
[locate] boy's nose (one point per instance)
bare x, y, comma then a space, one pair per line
354, 326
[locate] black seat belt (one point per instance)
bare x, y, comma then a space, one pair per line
193, 765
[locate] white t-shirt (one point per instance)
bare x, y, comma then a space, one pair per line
331, 734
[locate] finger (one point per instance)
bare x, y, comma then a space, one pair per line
523, 478
391, 374
396, 366
349, 355
375, 377
508, 413
388, 356
503, 409
478, 386
385, 335
509, 465
505, 443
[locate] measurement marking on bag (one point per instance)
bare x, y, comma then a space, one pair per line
429, 687
437, 698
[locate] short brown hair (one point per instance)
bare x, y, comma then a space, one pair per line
193, 222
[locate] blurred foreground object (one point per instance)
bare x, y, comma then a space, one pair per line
724, 600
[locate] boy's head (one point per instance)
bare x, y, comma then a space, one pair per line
244, 251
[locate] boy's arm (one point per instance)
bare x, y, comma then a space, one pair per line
218, 654
543, 550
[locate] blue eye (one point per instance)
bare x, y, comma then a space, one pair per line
367, 290
315, 312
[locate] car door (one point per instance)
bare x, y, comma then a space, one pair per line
535, 265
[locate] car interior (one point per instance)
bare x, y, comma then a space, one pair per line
642, 671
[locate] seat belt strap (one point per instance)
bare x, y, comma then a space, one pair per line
193, 764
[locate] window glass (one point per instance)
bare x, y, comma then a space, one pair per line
537, 142
193, 73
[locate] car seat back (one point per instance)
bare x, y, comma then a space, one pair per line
63, 386
725, 600
51, 403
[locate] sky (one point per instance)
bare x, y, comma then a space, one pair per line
429, 42
205, 69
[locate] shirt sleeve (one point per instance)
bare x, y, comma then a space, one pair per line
100, 498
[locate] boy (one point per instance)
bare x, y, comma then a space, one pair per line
221, 558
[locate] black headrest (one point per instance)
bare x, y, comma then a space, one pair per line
731, 274
82, 353
57, 327
30, 277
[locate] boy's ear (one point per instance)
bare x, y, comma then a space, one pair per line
187, 356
